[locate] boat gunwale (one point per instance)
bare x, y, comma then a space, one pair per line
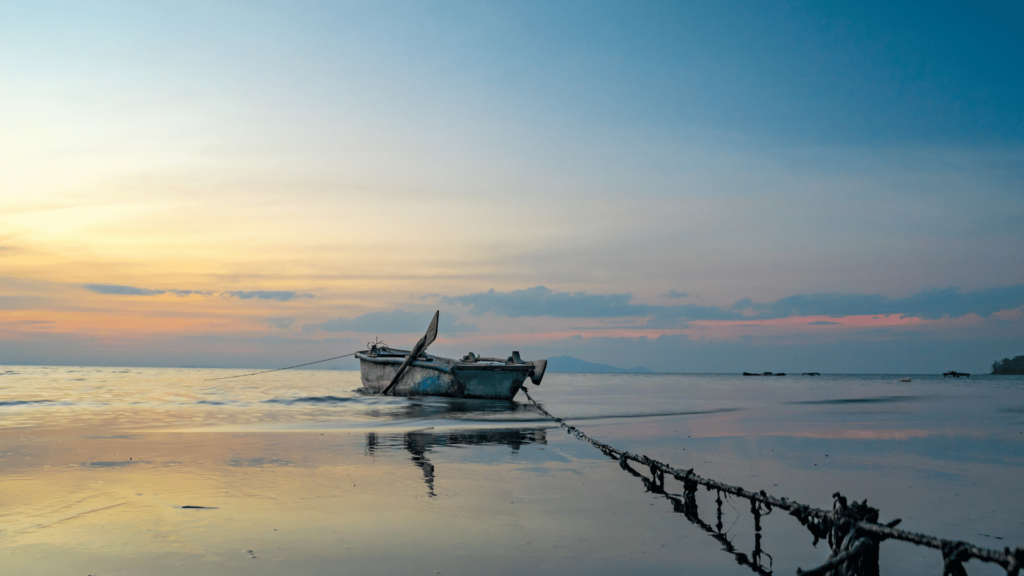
445, 365
495, 367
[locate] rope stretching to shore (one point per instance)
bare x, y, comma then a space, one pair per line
852, 529
279, 369
687, 505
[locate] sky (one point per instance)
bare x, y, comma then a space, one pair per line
686, 186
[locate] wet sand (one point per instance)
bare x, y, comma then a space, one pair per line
268, 481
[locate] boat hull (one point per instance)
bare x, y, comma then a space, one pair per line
417, 381
490, 381
439, 377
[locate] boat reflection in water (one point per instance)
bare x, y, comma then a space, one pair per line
421, 443
442, 411
487, 412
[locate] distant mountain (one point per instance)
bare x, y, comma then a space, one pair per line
570, 364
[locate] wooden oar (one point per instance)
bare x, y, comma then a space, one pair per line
418, 349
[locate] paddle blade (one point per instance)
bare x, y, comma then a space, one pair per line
415, 352
431, 334
401, 369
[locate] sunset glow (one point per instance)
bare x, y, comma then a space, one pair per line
400, 162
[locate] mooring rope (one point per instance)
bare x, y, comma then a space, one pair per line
852, 529
687, 506
279, 369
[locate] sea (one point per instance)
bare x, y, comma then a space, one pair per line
115, 471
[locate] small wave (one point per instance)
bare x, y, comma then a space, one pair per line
875, 400
256, 462
529, 417
309, 400
211, 402
22, 402
117, 464
652, 414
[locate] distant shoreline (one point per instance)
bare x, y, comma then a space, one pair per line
621, 371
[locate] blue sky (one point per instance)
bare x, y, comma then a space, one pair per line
273, 176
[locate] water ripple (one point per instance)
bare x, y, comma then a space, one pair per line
22, 402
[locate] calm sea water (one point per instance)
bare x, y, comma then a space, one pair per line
159, 471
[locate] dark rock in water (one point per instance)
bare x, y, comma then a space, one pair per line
1007, 366
570, 364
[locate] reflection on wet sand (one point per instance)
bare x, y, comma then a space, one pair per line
156, 472
419, 443
457, 408
686, 505
873, 400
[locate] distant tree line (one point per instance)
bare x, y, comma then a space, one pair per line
1007, 366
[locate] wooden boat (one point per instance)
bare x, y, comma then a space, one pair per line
413, 372
429, 375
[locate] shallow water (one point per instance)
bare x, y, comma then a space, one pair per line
159, 471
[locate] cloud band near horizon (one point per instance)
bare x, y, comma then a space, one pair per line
121, 290
393, 322
929, 304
